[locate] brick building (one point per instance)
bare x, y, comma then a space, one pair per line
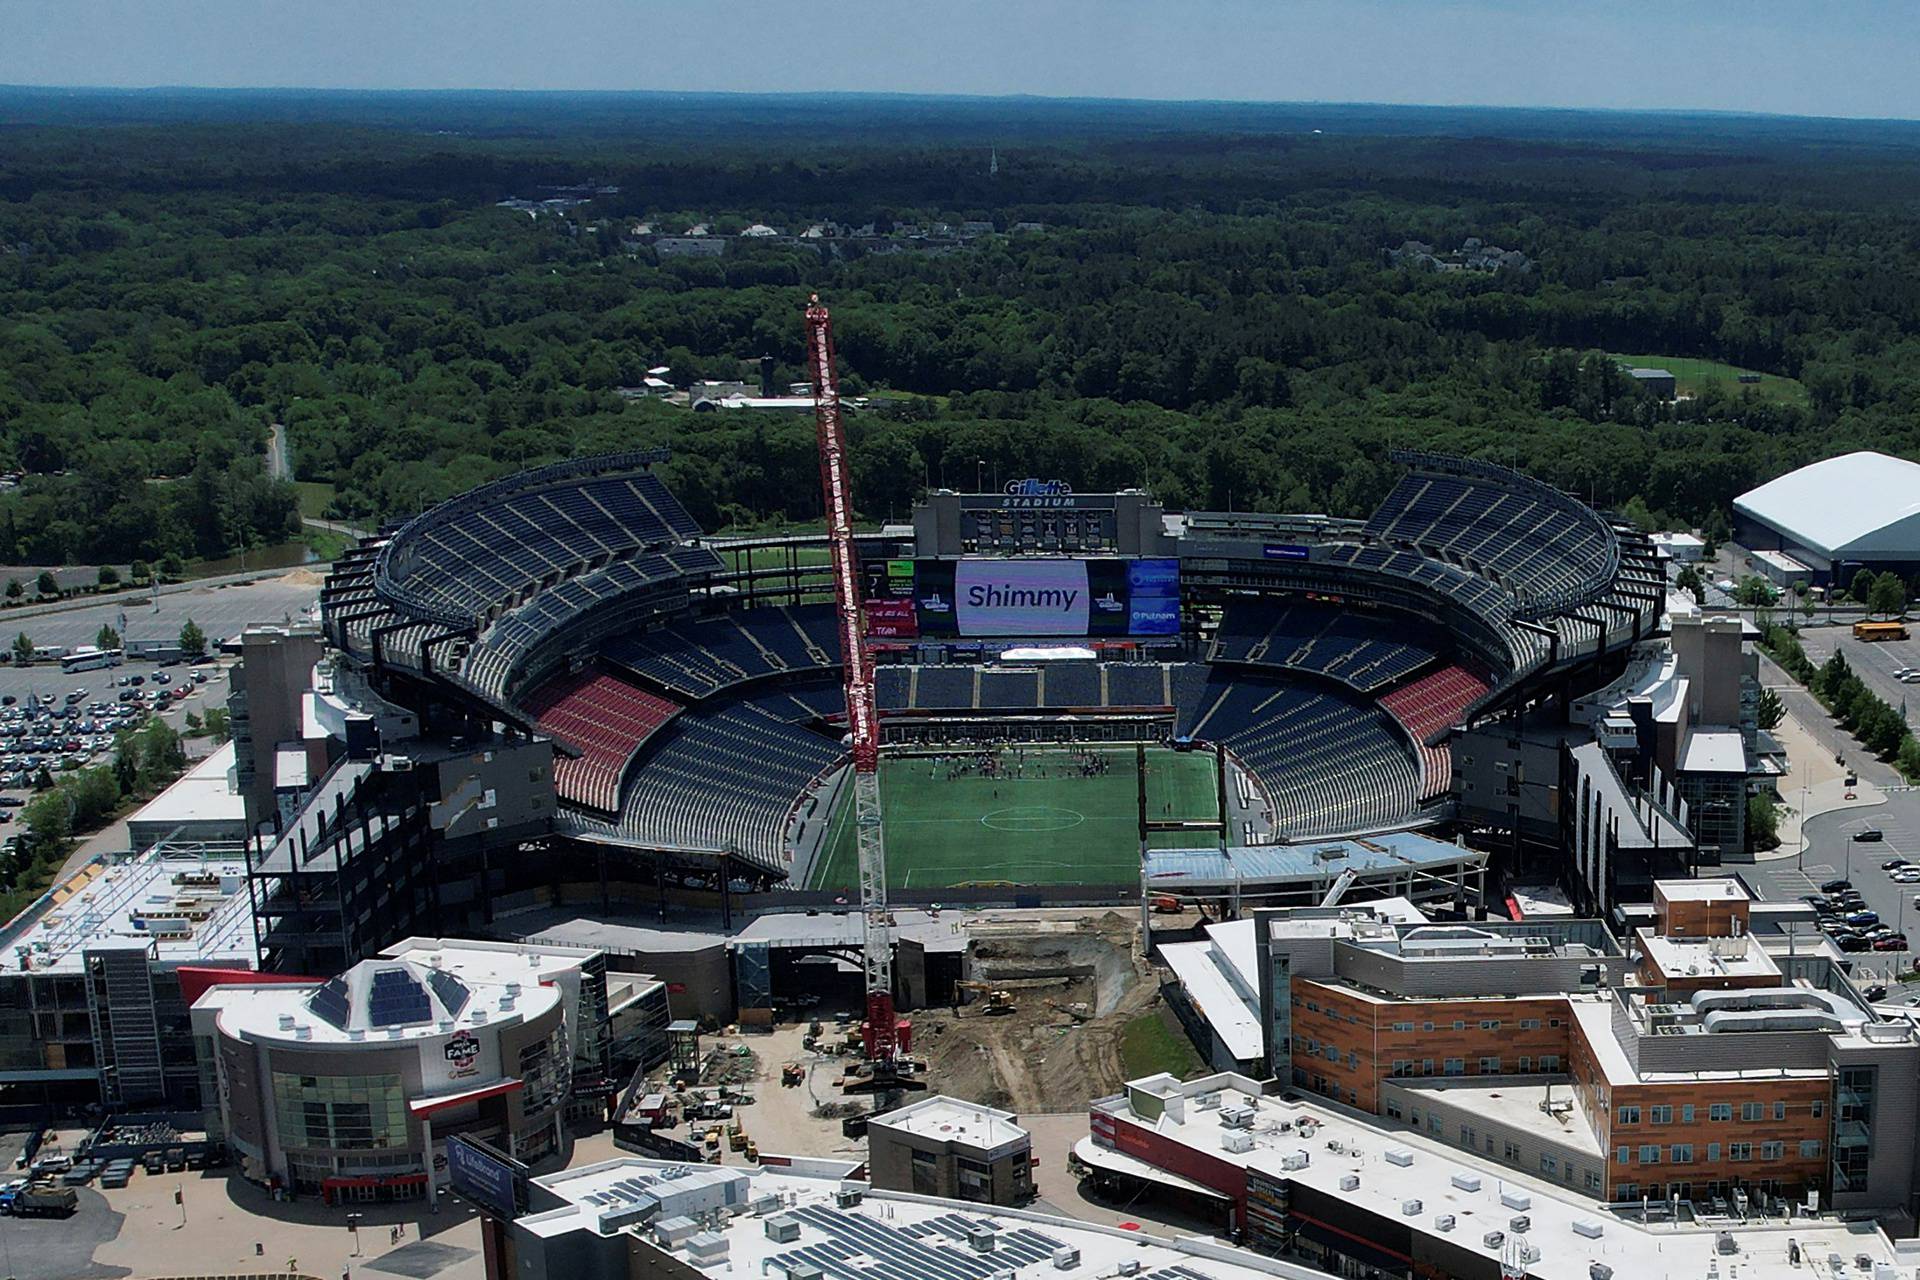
1698, 1060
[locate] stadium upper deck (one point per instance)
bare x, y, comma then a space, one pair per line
695, 711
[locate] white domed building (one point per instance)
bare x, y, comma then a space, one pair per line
349, 1088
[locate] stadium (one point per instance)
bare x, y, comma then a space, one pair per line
1066, 679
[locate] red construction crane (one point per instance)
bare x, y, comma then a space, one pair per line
863, 716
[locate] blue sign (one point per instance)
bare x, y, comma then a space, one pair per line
1285, 551
490, 1181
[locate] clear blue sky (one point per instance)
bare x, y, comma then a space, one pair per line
1854, 58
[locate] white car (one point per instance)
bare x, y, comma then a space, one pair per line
1907, 875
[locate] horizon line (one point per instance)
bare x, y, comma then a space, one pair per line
326, 90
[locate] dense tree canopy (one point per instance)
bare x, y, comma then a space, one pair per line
1216, 317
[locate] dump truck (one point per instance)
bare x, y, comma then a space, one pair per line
39, 1201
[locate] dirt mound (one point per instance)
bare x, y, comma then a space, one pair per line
1076, 989
301, 578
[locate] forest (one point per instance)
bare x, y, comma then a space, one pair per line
1211, 310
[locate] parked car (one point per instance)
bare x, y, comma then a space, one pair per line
1892, 942
1852, 942
1860, 919
1869, 835
1836, 886
1907, 875
1893, 864
1875, 992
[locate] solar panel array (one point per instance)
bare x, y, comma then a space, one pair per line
329, 1003
860, 1248
453, 993
397, 1000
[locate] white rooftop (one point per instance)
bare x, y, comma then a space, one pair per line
378, 1002
1714, 751
476, 960
204, 794
955, 1120
916, 1235
1715, 889
1341, 1145
189, 910
1861, 505
1737, 957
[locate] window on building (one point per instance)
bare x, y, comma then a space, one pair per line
1773, 1151
1459, 1024
1623, 1154
926, 1179
1490, 1024
1593, 1182
1626, 1191
1720, 1111
1489, 1066
1819, 1107
1739, 1151
1810, 1148
1456, 1066
1713, 1153
1686, 1114
1511, 1151
1426, 1026
1660, 1114
1525, 1064
1626, 1115
351, 1113
1751, 1111
1650, 1153
1548, 1163
1402, 1066
1529, 1024
976, 1180
1549, 1062
1426, 1066
1467, 1136
1403, 1026
1682, 1153
1779, 1111
1393, 1110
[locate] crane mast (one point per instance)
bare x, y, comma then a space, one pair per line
863, 717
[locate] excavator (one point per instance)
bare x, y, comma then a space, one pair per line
997, 999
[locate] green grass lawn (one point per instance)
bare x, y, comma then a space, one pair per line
1059, 829
1152, 1043
1693, 376
315, 496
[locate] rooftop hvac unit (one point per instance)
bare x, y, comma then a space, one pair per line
1129, 1267
1467, 1181
1443, 1222
1400, 1156
1350, 1182
846, 1198
1065, 1258
1410, 1208
1206, 1101
1294, 1160
1238, 1141
981, 1239
1520, 1225
1494, 1239
1599, 1271
1515, 1199
804, 1271
1588, 1227
764, 1205
783, 1229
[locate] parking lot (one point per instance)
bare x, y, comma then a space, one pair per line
1835, 853
1875, 663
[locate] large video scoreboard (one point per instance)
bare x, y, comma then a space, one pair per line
1014, 598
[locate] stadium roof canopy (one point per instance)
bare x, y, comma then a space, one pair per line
1858, 506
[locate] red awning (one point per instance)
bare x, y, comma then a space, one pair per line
197, 979
427, 1106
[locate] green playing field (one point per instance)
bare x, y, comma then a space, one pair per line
1051, 824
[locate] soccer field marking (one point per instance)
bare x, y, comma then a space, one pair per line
1032, 818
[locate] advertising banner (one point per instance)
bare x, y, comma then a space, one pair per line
1012, 598
1024, 598
892, 619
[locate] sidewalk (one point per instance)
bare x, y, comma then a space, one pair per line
1812, 776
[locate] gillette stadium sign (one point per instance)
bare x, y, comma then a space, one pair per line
1032, 492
